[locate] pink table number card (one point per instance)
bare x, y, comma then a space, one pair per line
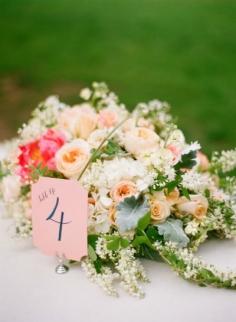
59, 217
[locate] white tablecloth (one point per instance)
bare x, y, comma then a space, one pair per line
30, 291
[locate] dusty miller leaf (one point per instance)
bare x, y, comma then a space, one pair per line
172, 230
130, 211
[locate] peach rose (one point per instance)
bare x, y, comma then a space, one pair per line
122, 190
173, 197
160, 210
203, 161
72, 157
196, 206
141, 140
107, 118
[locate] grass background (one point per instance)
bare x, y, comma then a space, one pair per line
182, 51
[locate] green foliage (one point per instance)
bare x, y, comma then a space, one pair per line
146, 252
188, 161
116, 242
130, 211
92, 254
43, 171
160, 182
110, 150
92, 240
25, 189
172, 230
144, 221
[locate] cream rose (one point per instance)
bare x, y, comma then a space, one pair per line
66, 119
72, 157
96, 137
141, 140
79, 120
122, 190
196, 206
85, 122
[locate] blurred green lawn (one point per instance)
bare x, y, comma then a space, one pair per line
182, 51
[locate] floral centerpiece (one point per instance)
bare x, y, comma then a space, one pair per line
151, 194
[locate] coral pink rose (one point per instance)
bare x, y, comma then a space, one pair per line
122, 190
40, 152
107, 118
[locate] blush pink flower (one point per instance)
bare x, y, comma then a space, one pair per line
176, 151
39, 152
107, 118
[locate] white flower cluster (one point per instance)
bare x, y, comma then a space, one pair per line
216, 220
158, 108
104, 175
105, 279
162, 160
226, 160
20, 211
192, 227
131, 271
43, 117
127, 270
197, 182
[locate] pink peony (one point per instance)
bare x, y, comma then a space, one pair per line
40, 152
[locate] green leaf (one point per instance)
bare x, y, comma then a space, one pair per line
124, 242
98, 265
25, 189
171, 185
185, 192
152, 234
172, 230
149, 253
188, 161
92, 240
141, 240
144, 221
130, 211
112, 148
92, 254
114, 244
